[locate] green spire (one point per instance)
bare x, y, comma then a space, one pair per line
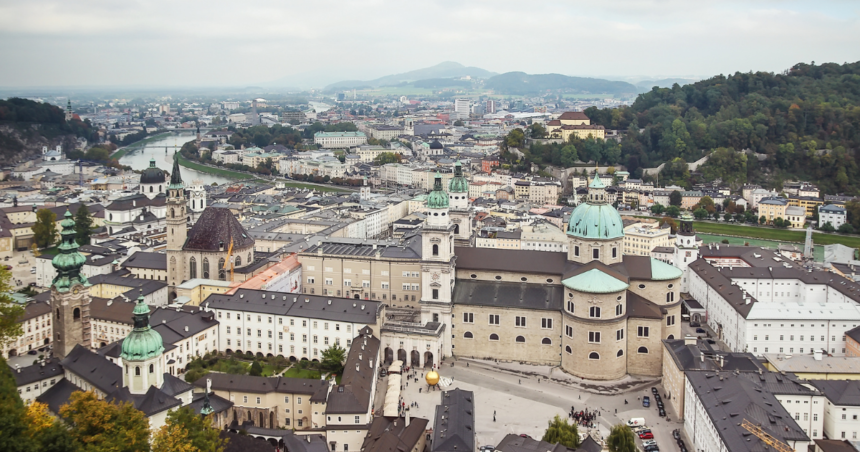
175, 177
69, 261
458, 183
152, 162
437, 199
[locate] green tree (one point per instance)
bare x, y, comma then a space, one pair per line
333, 358
14, 424
700, 213
387, 157
846, 228
762, 220
185, 430
673, 226
45, 228
256, 369
675, 198
657, 209
727, 217
707, 203
621, 439
673, 211
559, 431
458, 123
99, 425
749, 216
83, 225
852, 208
827, 227
777, 222
536, 130
569, 155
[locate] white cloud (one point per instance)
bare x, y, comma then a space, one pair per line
188, 43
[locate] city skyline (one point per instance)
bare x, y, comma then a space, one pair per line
157, 44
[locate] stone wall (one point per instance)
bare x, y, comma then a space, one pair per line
506, 348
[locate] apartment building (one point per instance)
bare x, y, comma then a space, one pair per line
842, 411
339, 140
641, 238
35, 324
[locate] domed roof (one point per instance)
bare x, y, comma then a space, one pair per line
143, 342
458, 184
595, 281
153, 174
437, 199
436, 145
595, 221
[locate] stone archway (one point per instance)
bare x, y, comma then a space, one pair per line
415, 358
401, 355
428, 359
13, 352
389, 355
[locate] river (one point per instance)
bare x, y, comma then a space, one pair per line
139, 159
319, 107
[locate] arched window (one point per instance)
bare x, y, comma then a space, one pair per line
435, 250
76, 314
150, 188
193, 203
546, 341
594, 312
593, 355
172, 213
670, 297
205, 268
642, 350
238, 261
568, 350
619, 354
192, 268
521, 339
249, 259
671, 336
468, 335
137, 370
222, 274
110, 216
151, 368
58, 313
494, 337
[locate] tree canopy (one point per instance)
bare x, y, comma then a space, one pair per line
99, 425
45, 228
83, 225
333, 358
621, 439
186, 431
560, 431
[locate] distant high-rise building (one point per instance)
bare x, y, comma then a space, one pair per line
340, 97
461, 108
491, 106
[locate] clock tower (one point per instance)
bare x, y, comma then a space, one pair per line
437, 263
70, 294
177, 229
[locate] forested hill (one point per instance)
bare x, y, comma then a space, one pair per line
806, 122
26, 126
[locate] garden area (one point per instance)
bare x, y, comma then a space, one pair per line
248, 364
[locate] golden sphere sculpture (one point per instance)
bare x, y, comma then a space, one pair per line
432, 378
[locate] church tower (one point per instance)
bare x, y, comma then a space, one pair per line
461, 214
177, 229
686, 247
70, 294
69, 114
197, 201
142, 353
364, 191
437, 266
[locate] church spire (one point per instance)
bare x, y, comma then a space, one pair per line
69, 261
175, 177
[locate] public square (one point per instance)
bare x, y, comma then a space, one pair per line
525, 397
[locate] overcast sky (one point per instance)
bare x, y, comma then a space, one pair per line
314, 42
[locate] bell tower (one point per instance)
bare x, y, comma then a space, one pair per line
177, 229
70, 295
437, 266
686, 247
461, 213
142, 353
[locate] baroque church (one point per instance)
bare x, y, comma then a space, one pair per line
592, 311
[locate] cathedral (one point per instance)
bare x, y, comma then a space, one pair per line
592, 311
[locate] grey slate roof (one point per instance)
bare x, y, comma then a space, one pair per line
58, 395
217, 403
354, 393
217, 227
454, 422
96, 370
523, 261
388, 434
516, 443
140, 259
261, 385
508, 294
297, 305
153, 402
37, 372
731, 398
840, 392
174, 386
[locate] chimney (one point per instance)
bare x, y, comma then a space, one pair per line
701, 357
186, 328
690, 340
817, 355
407, 419
721, 361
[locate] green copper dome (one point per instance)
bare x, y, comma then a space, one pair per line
595, 221
437, 199
69, 261
143, 342
458, 184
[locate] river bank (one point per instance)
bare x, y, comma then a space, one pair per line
121, 152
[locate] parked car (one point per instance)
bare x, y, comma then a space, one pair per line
8, 267
676, 434
659, 403
651, 449
383, 372
646, 435
695, 324
646, 401
654, 391
661, 412
711, 341
488, 448
650, 442
700, 330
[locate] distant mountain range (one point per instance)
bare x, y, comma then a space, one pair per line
448, 69
520, 83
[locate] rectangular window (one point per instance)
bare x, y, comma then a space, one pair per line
595, 253
643, 331
520, 321
435, 294
546, 323
594, 337
568, 330
494, 319
468, 317
619, 334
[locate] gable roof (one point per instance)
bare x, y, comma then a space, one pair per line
96, 370
454, 423
215, 228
